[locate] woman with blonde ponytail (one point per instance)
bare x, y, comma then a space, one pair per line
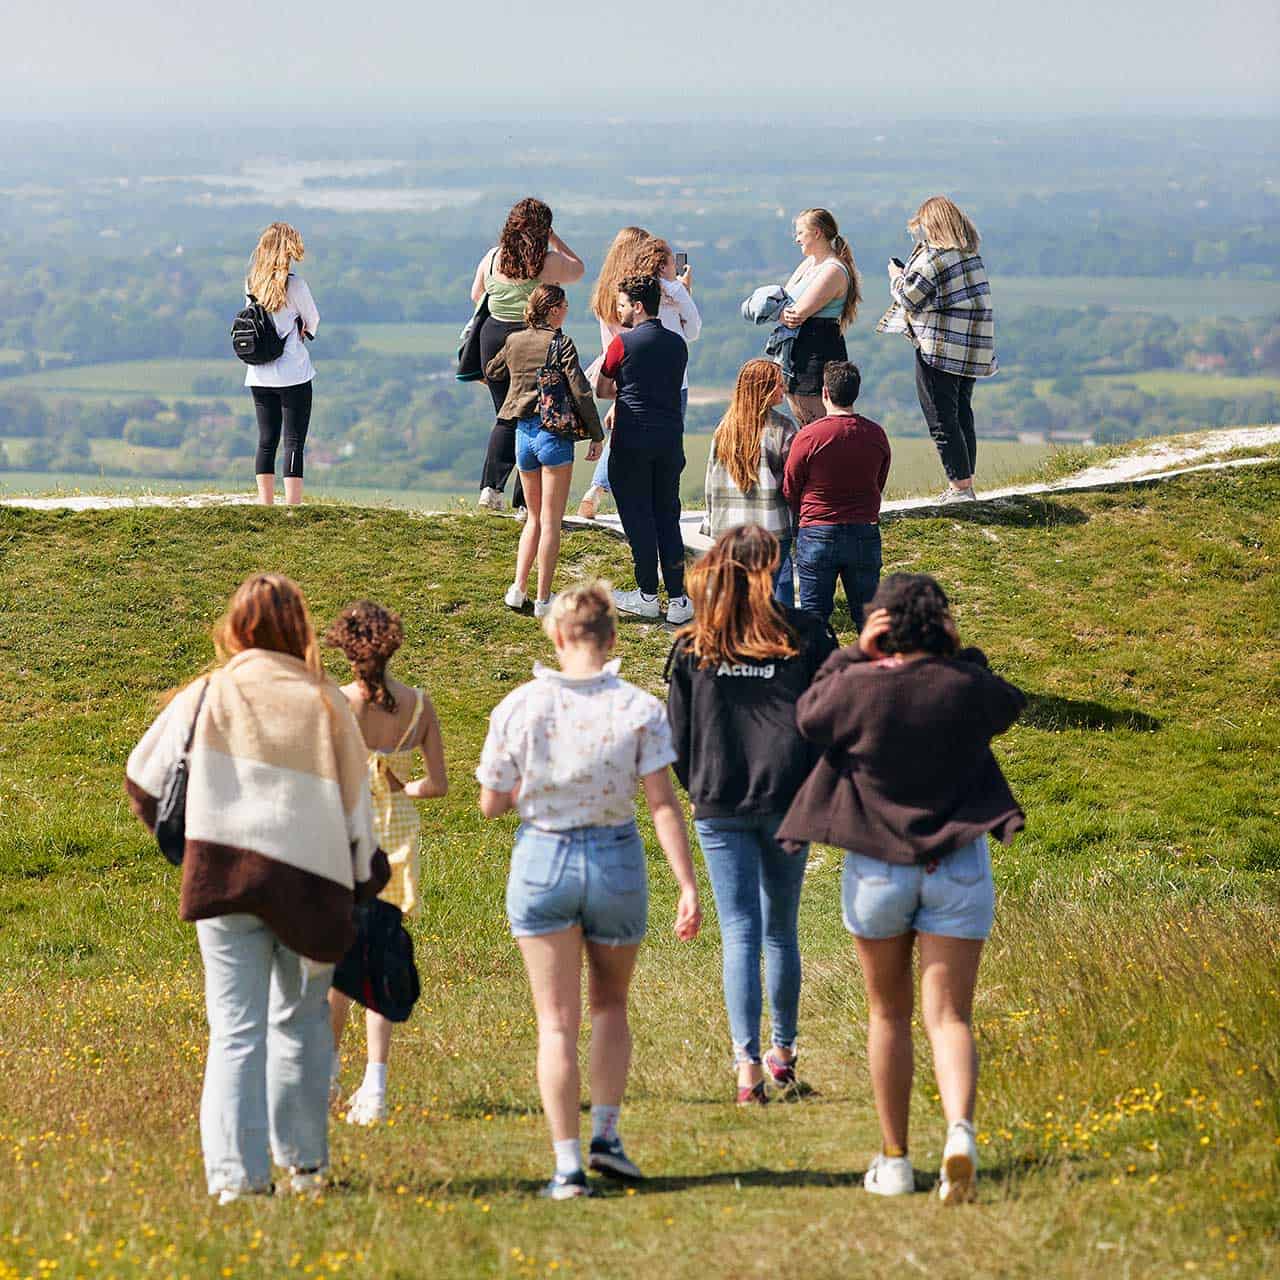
826, 290
281, 389
736, 673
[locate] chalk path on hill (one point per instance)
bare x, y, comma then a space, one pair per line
1159, 460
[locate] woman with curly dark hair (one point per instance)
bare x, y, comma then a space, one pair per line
397, 721
908, 786
528, 253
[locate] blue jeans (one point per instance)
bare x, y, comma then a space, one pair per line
270, 1045
757, 891
784, 578
600, 476
848, 552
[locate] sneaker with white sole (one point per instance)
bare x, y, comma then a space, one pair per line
366, 1107
521, 514
636, 602
566, 1186
890, 1176
679, 610
608, 1157
491, 499
543, 607
951, 494
959, 1165
304, 1182
229, 1195
515, 598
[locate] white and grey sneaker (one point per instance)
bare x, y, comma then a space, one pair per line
608, 1157
521, 514
959, 1165
951, 494
566, 1186
515, 598
679, 610
543, 607
304, 1182
890, 1176
636, 602
365, 1107
229, 1195
491, 499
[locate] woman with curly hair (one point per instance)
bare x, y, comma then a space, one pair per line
528, 253
281, 390
908, 786
635, 252
397, 722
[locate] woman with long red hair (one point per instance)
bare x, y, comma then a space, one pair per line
279, 843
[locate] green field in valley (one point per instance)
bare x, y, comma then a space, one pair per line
1175, 382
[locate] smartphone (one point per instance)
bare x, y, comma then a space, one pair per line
898, 262
682, 261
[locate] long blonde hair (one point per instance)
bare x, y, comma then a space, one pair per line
735, 614
823, 222
736, 443
268, 279
619, 263
940, 224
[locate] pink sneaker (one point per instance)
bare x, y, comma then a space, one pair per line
782, 1073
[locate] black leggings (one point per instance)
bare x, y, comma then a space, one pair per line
946, 402
500, 458
286, 409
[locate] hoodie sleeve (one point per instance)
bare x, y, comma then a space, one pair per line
824, 713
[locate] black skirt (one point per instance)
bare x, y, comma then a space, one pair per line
818, 342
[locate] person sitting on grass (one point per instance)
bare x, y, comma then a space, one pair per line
909, 787
566, 751
397, 722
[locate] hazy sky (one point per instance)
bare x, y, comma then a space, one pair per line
335, 58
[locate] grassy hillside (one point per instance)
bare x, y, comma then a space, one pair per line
1128, 1013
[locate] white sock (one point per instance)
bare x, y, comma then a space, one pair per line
375, 1077
604, 1122
568, 1155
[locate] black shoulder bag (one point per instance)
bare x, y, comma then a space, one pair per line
171, 812
470, 366
378, 971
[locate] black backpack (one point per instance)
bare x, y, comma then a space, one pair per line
378, 972
254, 337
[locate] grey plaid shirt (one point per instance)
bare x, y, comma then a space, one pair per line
942, 302
728, 507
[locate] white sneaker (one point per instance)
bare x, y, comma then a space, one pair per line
366, 1107
491, 499
515, 598
229, 1195
309, 1183
679, 610
543, 607
521, 514
890, 1176
951, 494
636, 602
959, 1165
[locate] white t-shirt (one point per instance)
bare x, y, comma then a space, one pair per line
294, 365
678, 312
577, 746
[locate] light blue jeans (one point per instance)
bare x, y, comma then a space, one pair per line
600, 476
270, 1046
756, 886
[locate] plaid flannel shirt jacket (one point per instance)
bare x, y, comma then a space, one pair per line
728, 507
942, 302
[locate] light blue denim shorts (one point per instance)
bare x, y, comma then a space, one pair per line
954, 897
536, 447
591, 876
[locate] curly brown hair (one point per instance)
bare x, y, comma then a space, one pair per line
542, 302
522, 246
368, 635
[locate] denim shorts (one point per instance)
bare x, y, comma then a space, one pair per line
591, 876
954, 897
536, 447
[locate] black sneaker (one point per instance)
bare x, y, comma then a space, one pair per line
608, 1157
566, 1186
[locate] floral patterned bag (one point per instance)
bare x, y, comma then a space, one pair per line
556, 408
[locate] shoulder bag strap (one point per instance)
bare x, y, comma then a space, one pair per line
191, 733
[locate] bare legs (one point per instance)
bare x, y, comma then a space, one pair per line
377, 1028
293, 490
948, 975
554, 965
267, 489
547, 492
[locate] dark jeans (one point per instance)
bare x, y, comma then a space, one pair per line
500, 459
646, 487
850, 552
945, 401
281, 411
784, 577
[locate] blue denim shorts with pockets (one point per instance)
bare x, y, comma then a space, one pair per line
591, 876
954, 897
536, 447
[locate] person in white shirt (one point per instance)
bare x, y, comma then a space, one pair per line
566, 751
282, 389
635, 252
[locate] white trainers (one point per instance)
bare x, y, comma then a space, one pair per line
636, 602
890, 1176
959, 1165
521, 514
543, 607
515, 598
229, 1195
679, 610
951, 494
366, 1107
491, 499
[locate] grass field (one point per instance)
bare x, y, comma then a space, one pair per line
1176, 382
1128, 1015
1180, 298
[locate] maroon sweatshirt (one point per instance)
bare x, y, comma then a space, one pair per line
836, 470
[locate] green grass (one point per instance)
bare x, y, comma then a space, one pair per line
441, 338
1176, 382
1183, 299
162, 378
1127, 1014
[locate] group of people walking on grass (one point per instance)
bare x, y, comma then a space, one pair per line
299, 803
